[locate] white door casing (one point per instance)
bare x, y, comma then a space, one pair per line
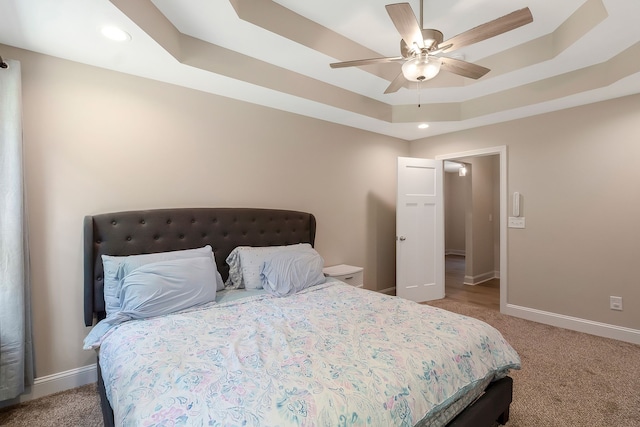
419, 231
501, 151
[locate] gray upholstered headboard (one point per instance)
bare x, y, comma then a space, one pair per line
160, 230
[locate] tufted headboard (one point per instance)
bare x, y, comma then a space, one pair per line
160, 230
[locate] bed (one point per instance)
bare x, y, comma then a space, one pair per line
337, 357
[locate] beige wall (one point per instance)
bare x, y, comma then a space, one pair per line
495, 179
575, 170
99, 141
456, 189
480, 232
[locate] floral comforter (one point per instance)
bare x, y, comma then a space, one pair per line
331, 355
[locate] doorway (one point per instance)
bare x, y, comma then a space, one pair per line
474, 213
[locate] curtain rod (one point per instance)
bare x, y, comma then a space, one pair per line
3, 64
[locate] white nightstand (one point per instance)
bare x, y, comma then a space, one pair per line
349, 274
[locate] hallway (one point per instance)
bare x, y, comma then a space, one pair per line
486, 294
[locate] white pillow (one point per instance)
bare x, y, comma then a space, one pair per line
285, 273
245, 263
164, 287
116, 267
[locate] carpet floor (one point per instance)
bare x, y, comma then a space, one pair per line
567, 379
78, 407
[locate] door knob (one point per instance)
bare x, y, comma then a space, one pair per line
402, 238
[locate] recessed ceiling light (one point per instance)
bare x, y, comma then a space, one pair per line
115, 33
423, 125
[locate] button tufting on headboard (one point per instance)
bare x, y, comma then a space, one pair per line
138, 232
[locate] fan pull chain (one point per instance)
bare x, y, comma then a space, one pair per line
419, 93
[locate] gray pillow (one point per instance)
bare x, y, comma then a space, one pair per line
116, 267
245, 263
285, 273
165, 287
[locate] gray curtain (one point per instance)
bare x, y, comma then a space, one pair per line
16, 348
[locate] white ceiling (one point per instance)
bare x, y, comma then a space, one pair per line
282, 59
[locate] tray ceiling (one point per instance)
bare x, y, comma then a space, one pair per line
277, 54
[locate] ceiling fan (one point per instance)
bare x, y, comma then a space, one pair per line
422, 49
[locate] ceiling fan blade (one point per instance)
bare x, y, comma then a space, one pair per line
406, 23
359, 62
490, 29
396, 84
463, 68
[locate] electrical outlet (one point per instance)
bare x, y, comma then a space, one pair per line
615, 303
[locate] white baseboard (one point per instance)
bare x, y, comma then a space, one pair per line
460, 252
567, 322
480, 278
55, 383
575, 324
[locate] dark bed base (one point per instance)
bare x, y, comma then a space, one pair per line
139, 232
107, 411
491, 407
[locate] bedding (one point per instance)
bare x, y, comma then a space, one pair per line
159, 288
285, 273
132, 233
330, 354
245, 263
165, 287
116, 267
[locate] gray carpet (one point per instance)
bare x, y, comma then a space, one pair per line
567, 379
77, 407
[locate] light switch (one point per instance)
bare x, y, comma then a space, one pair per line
516, 222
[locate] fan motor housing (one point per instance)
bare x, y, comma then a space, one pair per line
432, 38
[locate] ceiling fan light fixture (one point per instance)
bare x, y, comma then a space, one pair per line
421, 68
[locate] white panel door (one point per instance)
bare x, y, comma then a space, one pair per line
419, 266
